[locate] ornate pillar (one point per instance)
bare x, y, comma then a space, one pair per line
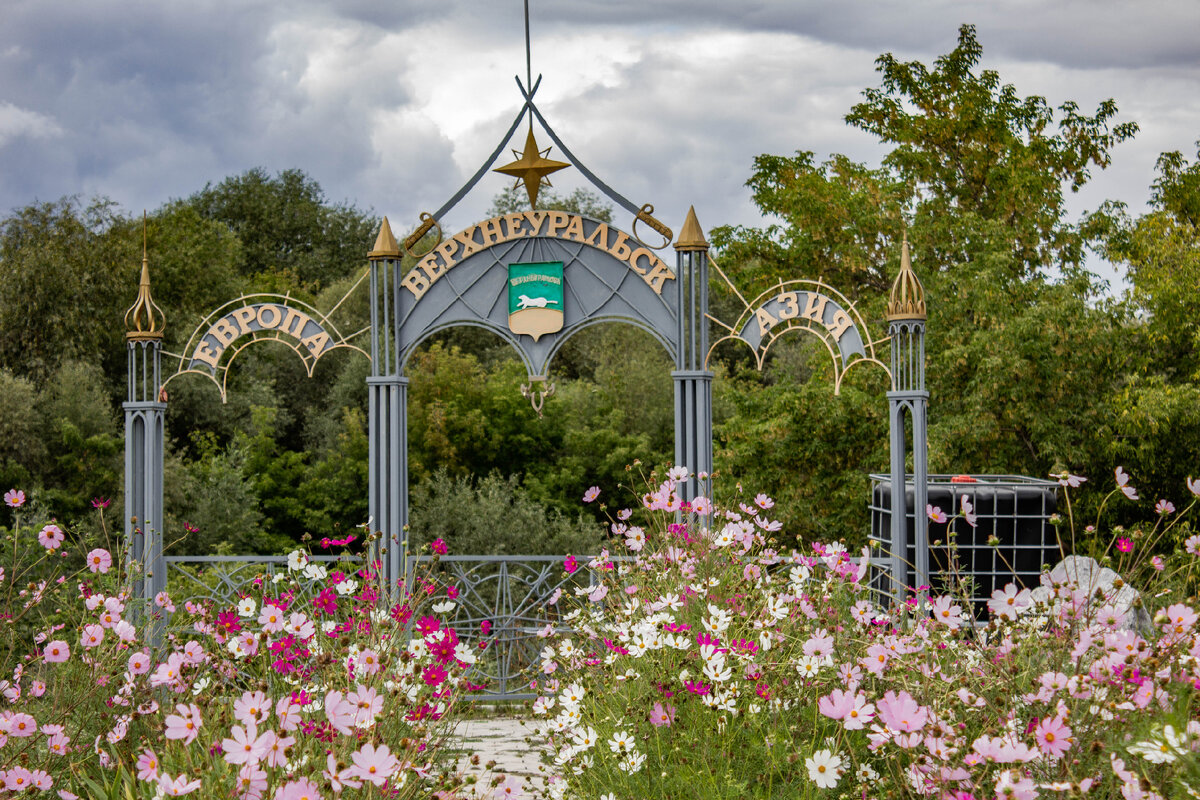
693, 383
906, 314
387, 472
145, 408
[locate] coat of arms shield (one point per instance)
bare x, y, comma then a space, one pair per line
535, 298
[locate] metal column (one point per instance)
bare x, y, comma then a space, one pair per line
693, 383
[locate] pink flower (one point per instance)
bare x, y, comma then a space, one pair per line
439, 546
18, 778
1158, 563
339, 780
598, 593
1053, 737
185, 724
251, 782
968, 511
935, 514
1123, 484
1067, 479
92, 635
1124, 545
56, 652
374, 764
147, 766
901, 713
99, 560
287, 713
339, 712
570, 564
763, 501
368, 661
836, 704
275, 747
1164, 507
177, 787
660, 715
243, 746
591, 494
51, 536
302, 789
947, 612
14, 498
368, 703
1009, 601
251, 708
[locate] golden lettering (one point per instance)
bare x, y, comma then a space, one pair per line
599, 237
317, 342
574, 230
446, 250
207, 354
814, 307
659, 274
430, 266
244, 317
416, 283
294, 316
514, 222
621, 250
765, 321
467, 239
536, 218
791, 308
276, 317
492, 233
223, 331
558, 221
839, 325
640, 253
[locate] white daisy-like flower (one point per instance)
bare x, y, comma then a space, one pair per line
824, 768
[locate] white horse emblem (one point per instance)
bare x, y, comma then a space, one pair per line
534, 302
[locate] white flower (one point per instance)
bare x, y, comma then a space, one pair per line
316, 572
296, 560
347, 587
632, 762
824, 768
444, 607
246, 607
620, 742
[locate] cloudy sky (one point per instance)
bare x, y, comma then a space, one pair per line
392, 105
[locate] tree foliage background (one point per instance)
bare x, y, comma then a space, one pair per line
1034, 364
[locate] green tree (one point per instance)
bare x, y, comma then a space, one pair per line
286, 226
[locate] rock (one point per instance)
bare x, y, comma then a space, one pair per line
1088, 575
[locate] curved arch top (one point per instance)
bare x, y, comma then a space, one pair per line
593, 272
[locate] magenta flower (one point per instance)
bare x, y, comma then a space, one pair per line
570, 564
100, 502
662, 715
99, 560
591, 494
439, 546
1124, 545
14, 498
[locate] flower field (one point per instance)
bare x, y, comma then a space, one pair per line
698, 661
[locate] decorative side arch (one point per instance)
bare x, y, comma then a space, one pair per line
229, 329
810, 306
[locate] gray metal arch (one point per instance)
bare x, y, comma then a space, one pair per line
597, 286
567, 333
503, 333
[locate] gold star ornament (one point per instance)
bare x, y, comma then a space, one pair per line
532, 167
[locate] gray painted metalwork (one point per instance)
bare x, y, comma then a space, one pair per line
144, 468
693, 383
221, 580
510, 592
908, 394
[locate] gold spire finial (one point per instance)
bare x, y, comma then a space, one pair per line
691, 237
144, 321
907, 299
532, 167
385, 244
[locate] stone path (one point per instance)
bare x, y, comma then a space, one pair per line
502, 740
